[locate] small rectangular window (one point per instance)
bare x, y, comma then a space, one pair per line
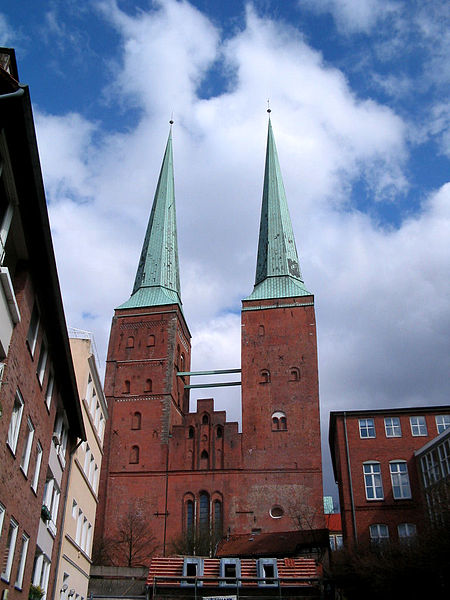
418, 426
14, 424
392, 427
37, 467
406, 530
33, 329
442, 422
9, 550
25, 461
366, 428
379, 533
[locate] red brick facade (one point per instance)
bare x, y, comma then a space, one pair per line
359, 461
260, 479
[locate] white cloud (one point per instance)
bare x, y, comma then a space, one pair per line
7, 35
381, 294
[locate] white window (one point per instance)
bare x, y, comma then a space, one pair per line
33, 329
95, 481
379, 533
392, 427
51, 501
418, 426
22, 560
430, 468
9, 550
97, 415
372, 481
444, 456
14, 424
267, 570
101, 427
41, 570
88, 540
79, 526
49, 391
2, 516
400, 480
406, 530
60, 438
366, 428
84, 533
90, 474
74, 509
42, 362
37, 468
27, 447
442, 422
87, 458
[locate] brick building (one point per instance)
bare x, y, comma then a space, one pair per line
194, 473
373, 455
40, 416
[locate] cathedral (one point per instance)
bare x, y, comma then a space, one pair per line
193, 476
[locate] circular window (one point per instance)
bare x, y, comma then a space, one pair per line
276, 512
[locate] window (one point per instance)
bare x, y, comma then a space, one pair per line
279, 422
400, 480
9, 550
418, 426
51, 501
60, 434
406, 530
204, 511
136, 421
151, 340
276, 512
74, 509
204, 460
42, 362
49, 391
430, 468
265, 376
205, 420
22, 560
134, 455
37, 467
442, 422
192, 567
87, 458
25, 461
130, 341
101, 427
366, 428
191, 433
14, 424
444, 457
148, 385
79, 526
217, 512
294, 374
189, 517
2, 516
41, 570
266, 568
219, 431
392, 427
372, 481
126, 387
33, 329
379, 533
231, 569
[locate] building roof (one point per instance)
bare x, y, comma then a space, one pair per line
278, 272
157, 279
293, 572
284, 543
16, 121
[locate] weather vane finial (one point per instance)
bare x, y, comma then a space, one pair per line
171, 119
268, 106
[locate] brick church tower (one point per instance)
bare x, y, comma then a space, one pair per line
193, 475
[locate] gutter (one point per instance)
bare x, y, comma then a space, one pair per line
352, 502
11, 95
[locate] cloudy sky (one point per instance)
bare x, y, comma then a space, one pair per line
359, 95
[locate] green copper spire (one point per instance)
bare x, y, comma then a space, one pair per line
277, 270
157, 279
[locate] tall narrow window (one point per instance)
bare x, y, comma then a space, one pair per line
191, 433
189, 517
37, 467
33, 329
219, 431
134, 455
136, 420
49, 391
42, 362
400, 480
2, 516
14, 424
27, 447
9, 549
204, 511
217, 512
204, 460
22, 560
126, 386
205, 419
372, 481
148, 385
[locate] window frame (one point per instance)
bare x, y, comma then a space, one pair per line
417, 427
392, 430
372, 475
440, 427
15, 423
27, 447
378, 539
409, 534
365, 426
37, 467
10, 548
400, 480
22, 560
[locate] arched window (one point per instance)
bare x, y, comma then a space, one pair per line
294, 374
205, 419
219, 431
204, 460
203, 517
191, 433
130, 341
136, 421
261, 331
134, 455
279, 421
265, 376
217, 512
151, 340
189, 508
126, 386
148, 385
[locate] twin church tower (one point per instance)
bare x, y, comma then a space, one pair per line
193, 477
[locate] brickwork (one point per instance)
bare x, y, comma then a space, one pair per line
382, 450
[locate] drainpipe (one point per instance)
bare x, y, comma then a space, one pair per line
352, 502
166, 495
